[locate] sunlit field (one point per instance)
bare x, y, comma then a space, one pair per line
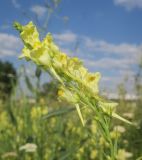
57, 103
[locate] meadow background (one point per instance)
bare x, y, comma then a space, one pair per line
106, 36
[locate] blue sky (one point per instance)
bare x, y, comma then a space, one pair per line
106, 35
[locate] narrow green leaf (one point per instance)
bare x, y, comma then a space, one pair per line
58, 112
121, 118
80, 114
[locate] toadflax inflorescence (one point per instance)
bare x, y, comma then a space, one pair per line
77, 85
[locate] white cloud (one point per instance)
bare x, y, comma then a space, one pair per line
123, 49
38, 10
110, 63
111, 83
9, 45
66, 37
93, 46
129, 4
121, 56
16, 4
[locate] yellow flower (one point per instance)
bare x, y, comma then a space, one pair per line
37, 112
94, 128
20, 124
93, 154
41, 56
29, 147
82, 72
60, 92
30, 35
67, 95
103, 142
119, 129
108, 107
73, 64
9, 155
44, 110
92, 80
48, 41
115, 134
25, 53
123, 155
4, 119
60, 60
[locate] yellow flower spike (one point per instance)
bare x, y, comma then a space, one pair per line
30, 35
48, 55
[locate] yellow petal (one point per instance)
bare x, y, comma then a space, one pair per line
30, 34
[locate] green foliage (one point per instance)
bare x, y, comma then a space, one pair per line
50, 130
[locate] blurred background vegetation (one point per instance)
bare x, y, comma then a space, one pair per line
35, 125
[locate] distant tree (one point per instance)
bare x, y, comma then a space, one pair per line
8, 79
